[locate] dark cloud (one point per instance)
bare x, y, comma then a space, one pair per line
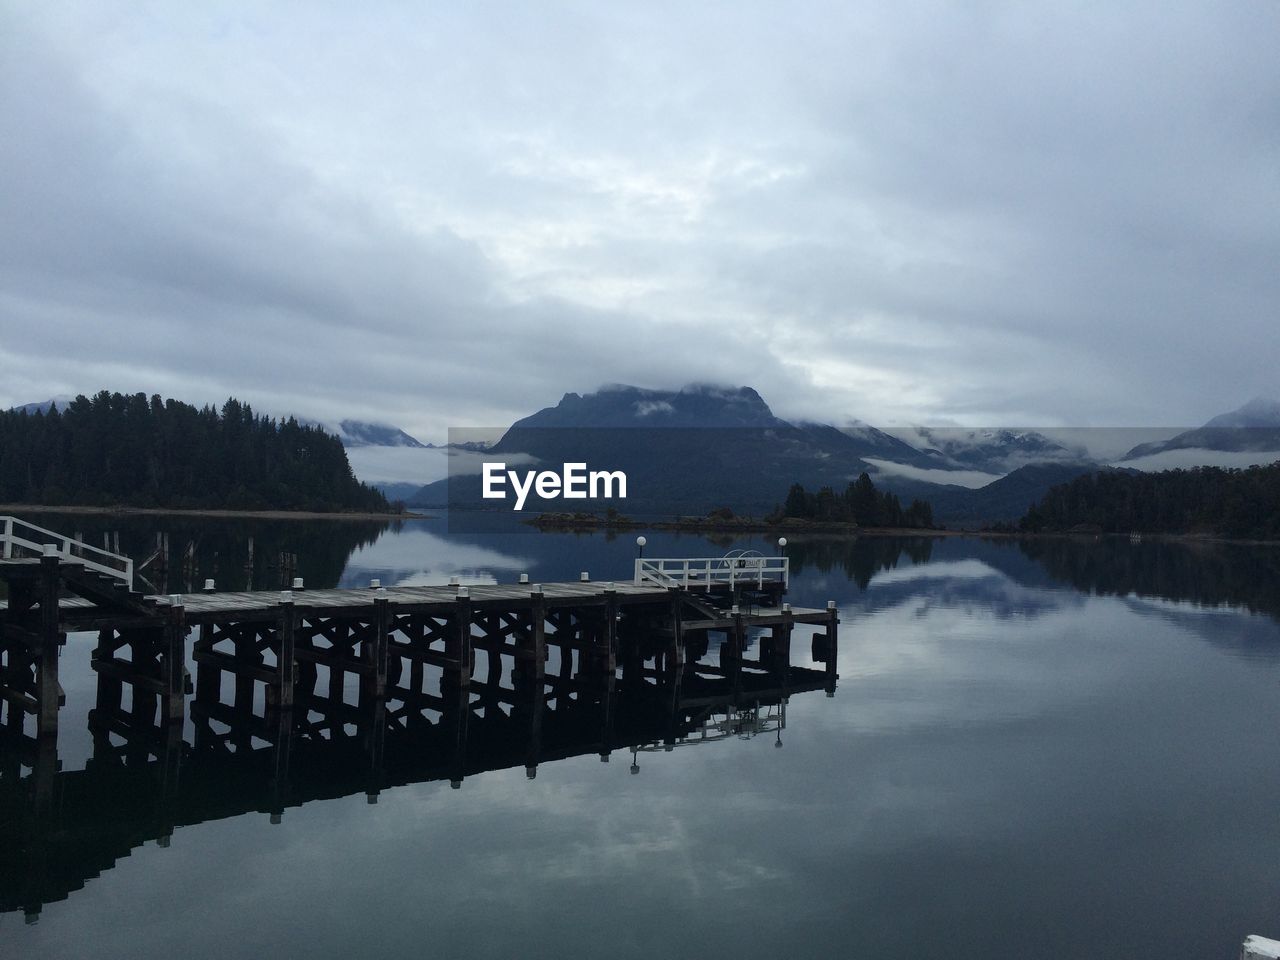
989, 213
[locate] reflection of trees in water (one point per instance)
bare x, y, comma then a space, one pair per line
859, 558
221, 546
1203, 573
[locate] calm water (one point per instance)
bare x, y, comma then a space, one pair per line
1058, 749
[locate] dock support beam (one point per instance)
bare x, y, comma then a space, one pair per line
285, 665
610, 637
461, 653
737, 640
826, 647
675, 653
778, 659
538, 613
382, 634
173, 669
49, 691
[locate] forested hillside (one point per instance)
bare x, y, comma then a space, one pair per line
859, 503
1208, 500
135, 451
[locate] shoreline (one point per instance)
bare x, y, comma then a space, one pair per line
21, 508
585, 523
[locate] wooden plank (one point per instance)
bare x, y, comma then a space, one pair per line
128, 673
236, 666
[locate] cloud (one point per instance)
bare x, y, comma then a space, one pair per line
990, 214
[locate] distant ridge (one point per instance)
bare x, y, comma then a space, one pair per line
356, 433
1254, 427
43, 406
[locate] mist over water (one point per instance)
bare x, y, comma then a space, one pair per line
1052, 747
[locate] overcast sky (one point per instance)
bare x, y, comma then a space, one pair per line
450, 214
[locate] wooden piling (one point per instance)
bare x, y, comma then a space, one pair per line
285, 666
49, 691
538, 616
381, 628
609, 638
173, 668
675, 651
832, 647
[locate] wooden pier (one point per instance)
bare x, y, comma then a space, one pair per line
383, 686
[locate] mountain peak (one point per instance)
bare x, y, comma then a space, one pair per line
61, 401
356, 433
1258, 412
623, 405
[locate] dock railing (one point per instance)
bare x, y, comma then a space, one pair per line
735, 569
18, 539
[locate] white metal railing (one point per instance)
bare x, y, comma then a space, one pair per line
738, 568
741, 722
16, 540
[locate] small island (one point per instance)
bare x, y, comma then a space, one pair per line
860, 508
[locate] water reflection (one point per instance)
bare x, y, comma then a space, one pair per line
1034, 751
860, 558
1203, 573
143, 780
419, 556
1023, 577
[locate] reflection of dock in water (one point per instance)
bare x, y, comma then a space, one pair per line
308, 695
62, 829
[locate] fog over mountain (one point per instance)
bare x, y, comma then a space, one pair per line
1242, 437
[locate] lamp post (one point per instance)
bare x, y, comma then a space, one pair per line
640, 542
782, 546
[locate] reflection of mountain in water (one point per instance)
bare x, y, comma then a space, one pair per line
1206, 574
1210, 574
1222, 627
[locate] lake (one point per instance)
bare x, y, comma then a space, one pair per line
1052, 748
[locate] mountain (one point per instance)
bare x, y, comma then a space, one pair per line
699, 408
1006, 498
991, 451
396, 491
683, 451
1254, 427
355, 433
873, 444
696, 449
617, 405
43, 406
1258, 412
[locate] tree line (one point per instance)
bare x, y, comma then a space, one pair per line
132, 450
860, 503
1216, 501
